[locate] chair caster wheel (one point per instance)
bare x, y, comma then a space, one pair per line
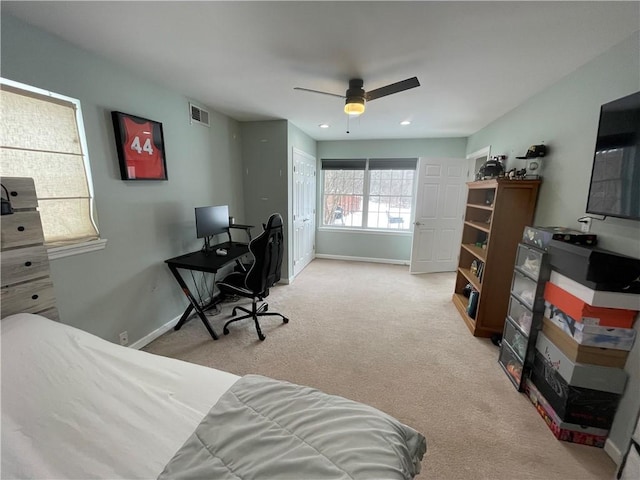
261, 337
266, 308
225, 331
285, 320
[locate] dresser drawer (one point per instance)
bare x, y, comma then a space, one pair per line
22, 192
31, 297
21, 229
24, 264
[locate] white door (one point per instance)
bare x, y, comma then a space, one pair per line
437, 229
304, 209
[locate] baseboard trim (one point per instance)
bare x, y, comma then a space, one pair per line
613, 451
147, 339
363, 259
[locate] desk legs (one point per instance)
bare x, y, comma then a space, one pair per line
193, 305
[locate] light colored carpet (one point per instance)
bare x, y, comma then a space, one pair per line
377, 334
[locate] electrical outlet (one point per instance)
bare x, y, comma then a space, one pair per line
124, 338
585, 224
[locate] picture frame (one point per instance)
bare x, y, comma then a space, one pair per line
140, 146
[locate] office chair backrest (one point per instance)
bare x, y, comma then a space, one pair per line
267, 249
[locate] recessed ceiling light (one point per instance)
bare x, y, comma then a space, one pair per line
323, 125
405, 122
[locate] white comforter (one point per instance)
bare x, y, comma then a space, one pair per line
75, 406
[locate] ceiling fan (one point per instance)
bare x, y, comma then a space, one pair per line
356, 96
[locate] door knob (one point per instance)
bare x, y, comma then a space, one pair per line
417, 223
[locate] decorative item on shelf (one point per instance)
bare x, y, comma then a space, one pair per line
515, 174
474, 267
473, 303
492, 168
533, 156
480, 270
489, 196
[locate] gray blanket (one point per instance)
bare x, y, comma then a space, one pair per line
263, 428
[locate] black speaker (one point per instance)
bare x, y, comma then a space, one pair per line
6, 207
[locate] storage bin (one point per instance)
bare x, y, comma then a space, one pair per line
526, 291
587, 314
596, 268
520, 314
596, 298
606, 357
568, 432
510, 364
541, 236
591, 339
583, 375
581, 406
515, 339
530, 261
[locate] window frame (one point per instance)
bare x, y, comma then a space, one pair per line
335, 163
55, 252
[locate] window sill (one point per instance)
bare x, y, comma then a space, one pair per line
76, 249
370, 231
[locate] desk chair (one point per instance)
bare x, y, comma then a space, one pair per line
267, 250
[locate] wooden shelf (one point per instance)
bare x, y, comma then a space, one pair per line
485, 227
510, 208
481, 207
473, 280
460, 301
476, 251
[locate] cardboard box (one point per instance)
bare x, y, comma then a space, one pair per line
576, 405
596, 298
564, 431
589, 335
594, 267
606, 357
585, 313
595, 377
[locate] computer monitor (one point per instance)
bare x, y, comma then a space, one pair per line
212, 220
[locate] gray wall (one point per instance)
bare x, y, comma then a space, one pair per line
265, 175
565, 117
268, 175
127, 286
382, 246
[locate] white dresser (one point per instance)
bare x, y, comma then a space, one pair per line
26, 280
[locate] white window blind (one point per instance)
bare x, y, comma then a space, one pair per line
42, 137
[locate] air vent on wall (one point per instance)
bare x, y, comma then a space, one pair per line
198, 115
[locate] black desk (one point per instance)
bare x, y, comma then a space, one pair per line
203, 262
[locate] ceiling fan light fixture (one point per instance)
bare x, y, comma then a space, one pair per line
354, 106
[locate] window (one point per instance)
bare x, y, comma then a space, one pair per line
42, 136
374, 193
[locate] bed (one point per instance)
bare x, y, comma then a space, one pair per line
75, 406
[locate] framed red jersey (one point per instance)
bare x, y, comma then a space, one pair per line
140, 145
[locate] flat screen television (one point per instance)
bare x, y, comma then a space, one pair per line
212, 220
615, 178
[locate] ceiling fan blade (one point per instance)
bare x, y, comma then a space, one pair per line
318, 91
393, 88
